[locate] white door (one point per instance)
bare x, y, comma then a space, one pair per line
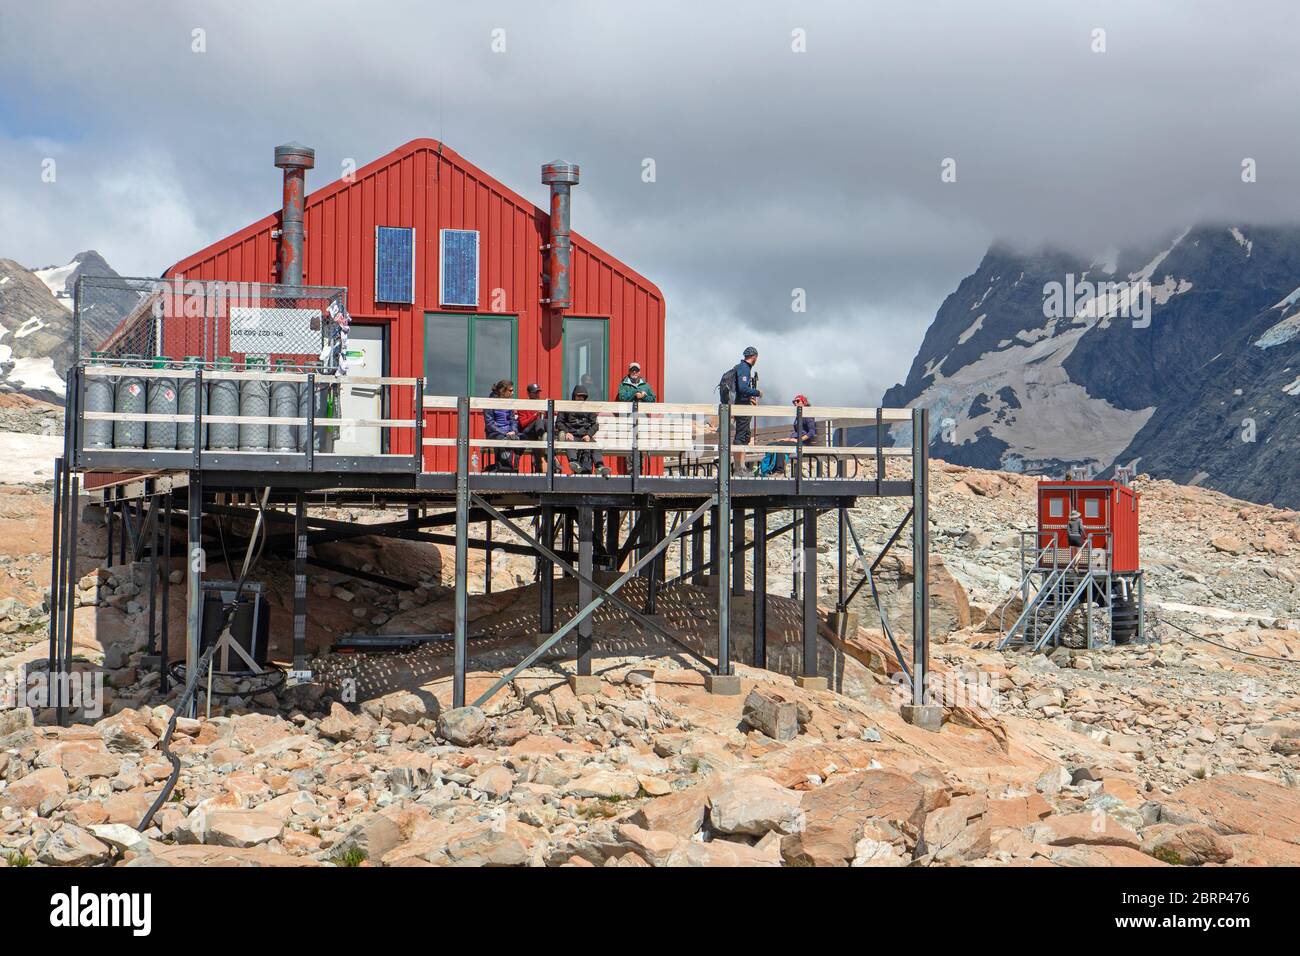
365, 358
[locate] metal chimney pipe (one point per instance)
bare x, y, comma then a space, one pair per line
559, 175
295, 159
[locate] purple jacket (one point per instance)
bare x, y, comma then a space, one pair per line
809, 431
500, 422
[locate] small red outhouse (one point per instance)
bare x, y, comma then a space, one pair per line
1108, 510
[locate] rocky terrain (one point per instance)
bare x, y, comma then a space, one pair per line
1202, 388
1182, 751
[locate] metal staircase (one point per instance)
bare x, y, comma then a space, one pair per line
1067, 578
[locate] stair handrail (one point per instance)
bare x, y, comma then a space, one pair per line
1050, 583
1026, 573
1039, 551
1069, 604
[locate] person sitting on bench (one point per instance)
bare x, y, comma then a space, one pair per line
502, 424
581, 427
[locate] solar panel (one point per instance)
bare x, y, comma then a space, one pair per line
459, 255
394, 264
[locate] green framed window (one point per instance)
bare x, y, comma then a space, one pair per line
586, 356
466, 354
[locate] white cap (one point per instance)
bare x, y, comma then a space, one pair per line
634, 365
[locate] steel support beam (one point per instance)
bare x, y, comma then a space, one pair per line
613, 518
796, 563
760, 587
585, 546
738, 552
697, 555
920, 554
722, 540
300, 584
546, 569
809, 592
462, 551
165, 639
197, 561
842, 556
56, 568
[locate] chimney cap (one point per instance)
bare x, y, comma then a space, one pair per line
295, 156
558, 171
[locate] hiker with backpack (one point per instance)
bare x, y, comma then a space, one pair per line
581, 427
739, 386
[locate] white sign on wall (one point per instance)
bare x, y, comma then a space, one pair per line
263, 331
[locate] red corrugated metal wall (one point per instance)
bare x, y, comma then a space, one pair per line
1118, 514
428, 187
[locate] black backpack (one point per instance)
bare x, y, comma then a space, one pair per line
727, 385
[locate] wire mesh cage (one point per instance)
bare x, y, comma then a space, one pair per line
125, 319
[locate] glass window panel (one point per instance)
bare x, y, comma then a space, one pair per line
586, 349
493, 353
1091, 508
446, 354
1056, 507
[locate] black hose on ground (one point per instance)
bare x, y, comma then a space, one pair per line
165, 744
204, 662
1226, 647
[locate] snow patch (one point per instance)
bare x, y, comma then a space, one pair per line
33, 324
974, 327
25, 459
36, 373
56, 279
1281, 333
1160, 294
1242, 241
1107, 262
1144, 274
1293, 388
1289, 301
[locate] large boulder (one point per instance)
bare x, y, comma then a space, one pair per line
72, 846
1191, 844
836, 813
959, 831
41, 790
463, 726
753, 805
949, 604
242, 828
1234, 803
341, 725
402, 707
770, 715
1093, 828
680, 813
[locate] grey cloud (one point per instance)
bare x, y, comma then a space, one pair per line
775, 170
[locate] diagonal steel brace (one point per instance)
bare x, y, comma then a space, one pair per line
552, 555
600, 598
870, 578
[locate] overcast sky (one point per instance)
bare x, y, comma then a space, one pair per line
776, 168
